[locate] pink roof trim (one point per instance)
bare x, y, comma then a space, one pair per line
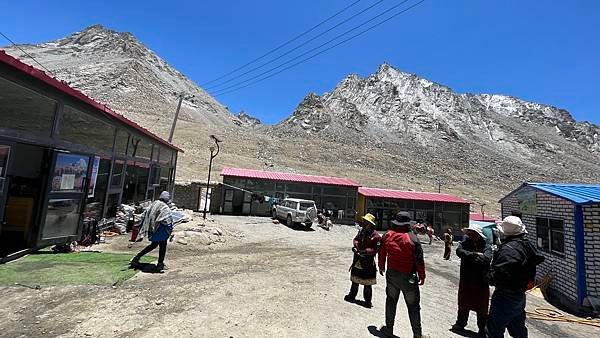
410, 195
288, 177
474, 216
65, 88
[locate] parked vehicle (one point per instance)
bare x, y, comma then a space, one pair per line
295, 211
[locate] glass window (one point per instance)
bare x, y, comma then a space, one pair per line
117, 176
424, 205
334, 202
62, 218
4, 153
165, 156
299, 187
334, 190
81, 128
452, 206
452, 220
97, 190
112, 205
25, 110
550, 235
140, 147
121, 142
280, 187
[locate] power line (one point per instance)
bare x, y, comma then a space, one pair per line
225, 91
22, 50
283, 44
297, 47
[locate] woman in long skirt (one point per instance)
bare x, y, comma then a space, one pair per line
363, 270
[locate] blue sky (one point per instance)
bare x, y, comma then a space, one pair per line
543, 51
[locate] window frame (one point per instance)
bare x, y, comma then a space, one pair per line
551, 232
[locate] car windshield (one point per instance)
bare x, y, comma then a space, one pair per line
305, 205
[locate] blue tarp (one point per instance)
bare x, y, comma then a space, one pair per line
487, 228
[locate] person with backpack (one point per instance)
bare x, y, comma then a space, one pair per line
473, 287
157, 224
363, 270
402, 251
512, 270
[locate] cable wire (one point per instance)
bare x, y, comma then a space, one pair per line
297, 47
225, 91
284, 44
22, 50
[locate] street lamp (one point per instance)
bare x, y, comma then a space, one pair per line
213, 154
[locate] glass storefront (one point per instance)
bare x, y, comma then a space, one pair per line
340, 200
441, 215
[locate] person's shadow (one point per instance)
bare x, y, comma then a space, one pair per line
145, 268
376, 331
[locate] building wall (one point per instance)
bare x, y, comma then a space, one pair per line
562, 268
591, 221
185, 195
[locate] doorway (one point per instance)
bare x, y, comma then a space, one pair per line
21, 194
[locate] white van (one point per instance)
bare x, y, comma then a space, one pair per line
295, 211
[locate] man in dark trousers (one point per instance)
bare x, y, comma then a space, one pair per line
473, 288
157, 224
513, 268
405, 272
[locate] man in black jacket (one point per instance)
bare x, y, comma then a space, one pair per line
512, 270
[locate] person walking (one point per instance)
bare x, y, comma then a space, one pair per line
473, 288
448, 243
402, 251
157, 224
430, 232
513, 268
363, 270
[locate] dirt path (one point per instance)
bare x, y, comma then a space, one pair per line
272, 282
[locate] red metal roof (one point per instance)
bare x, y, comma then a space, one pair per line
410, 195
65, 88
479, 217
288, 177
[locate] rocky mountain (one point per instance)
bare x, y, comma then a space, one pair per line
115, 68
390, 129
248, 120
405, 114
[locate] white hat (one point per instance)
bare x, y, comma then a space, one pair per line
165, 196
475, 228
512, 226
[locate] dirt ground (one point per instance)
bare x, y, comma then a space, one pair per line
256, 279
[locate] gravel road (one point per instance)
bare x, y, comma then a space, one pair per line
261, 280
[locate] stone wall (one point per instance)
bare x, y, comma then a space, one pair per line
562, 268
591, 221
185, 195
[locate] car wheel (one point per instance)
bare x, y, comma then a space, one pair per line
289, 222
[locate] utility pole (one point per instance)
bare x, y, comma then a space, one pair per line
439, 183
482, 212
213, 154
181, 97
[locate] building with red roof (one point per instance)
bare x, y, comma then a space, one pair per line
441, 210
242, 189
67, 161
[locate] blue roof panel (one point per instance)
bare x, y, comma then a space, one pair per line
576, 193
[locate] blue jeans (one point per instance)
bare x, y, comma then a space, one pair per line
507, 311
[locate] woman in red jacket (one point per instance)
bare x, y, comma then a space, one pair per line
363, 269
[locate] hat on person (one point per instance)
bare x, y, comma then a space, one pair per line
512, 226
369, 218
476, 229
402, 219
165, 196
